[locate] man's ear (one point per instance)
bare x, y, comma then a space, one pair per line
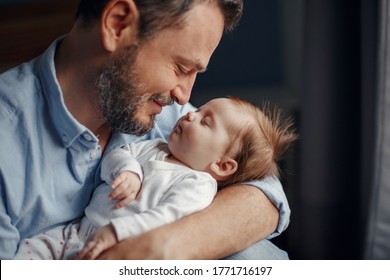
119, 24
224, 168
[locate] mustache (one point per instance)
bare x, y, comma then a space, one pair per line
162, 99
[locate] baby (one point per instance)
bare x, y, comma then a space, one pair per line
226, 141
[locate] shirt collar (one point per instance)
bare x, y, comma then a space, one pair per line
66, 125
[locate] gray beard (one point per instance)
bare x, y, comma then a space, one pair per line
120, 97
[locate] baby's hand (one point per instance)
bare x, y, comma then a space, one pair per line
126, 187
100, 241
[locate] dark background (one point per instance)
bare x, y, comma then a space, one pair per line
316, 59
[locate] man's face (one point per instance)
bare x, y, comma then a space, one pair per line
139, 81
121, 95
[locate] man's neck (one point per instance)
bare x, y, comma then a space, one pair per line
77, 71
77, 61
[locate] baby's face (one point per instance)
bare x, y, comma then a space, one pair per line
202, 137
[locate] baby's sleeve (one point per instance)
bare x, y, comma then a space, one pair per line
117, 161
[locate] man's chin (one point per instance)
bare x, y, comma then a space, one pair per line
141, 129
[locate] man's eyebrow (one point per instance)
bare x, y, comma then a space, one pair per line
200, 68
195, 64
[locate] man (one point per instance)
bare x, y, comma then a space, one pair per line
101, 87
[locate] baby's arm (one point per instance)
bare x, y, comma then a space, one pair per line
123, 173
126, 187
182, 199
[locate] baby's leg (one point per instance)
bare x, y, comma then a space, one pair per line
45, 246
50, 245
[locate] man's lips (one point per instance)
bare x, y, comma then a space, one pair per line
158, 107
162, 100
162, 103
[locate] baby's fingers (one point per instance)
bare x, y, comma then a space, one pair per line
119, 180
92, 250
121, 191
87, 250
126, 200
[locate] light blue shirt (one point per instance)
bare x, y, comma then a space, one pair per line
50, 163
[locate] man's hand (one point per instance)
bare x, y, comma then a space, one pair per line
126, 187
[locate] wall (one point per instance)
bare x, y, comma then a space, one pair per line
27, 29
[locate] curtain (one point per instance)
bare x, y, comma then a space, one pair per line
378, 234
333, 200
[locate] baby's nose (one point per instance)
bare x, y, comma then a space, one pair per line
190, 116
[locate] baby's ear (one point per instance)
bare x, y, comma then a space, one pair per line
224, 167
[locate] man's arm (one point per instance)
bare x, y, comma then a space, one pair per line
238, 217
9, 235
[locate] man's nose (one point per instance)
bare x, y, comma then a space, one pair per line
182, 92
181, 95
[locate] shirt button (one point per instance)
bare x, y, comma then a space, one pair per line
65, 138
92, 155
87, 137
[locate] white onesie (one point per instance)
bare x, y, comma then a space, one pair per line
169, 192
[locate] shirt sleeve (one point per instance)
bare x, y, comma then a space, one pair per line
183, 198
119, 160
273, 189
126, 158
10, 236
